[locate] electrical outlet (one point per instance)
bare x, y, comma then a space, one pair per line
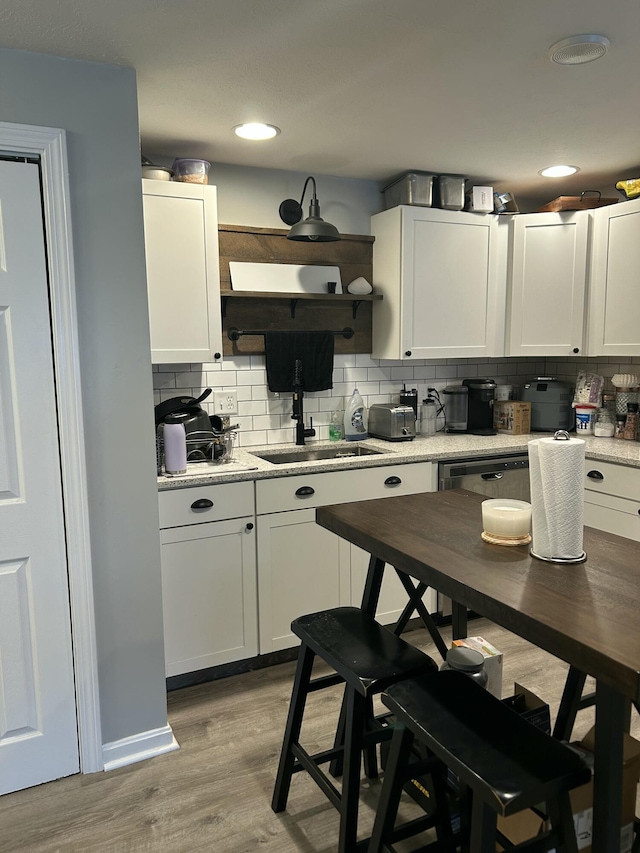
226, 402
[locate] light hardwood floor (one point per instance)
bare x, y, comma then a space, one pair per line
214, 793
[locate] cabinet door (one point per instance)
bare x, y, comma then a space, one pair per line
443, 278
183, 277
209, 594
547, 284
302, 568
614, 306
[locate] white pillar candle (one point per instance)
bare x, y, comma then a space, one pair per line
504, 517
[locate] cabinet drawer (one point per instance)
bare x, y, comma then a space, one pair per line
611, 479
613, 515
205, 503
313, 490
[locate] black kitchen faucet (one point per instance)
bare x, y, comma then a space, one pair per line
302, 432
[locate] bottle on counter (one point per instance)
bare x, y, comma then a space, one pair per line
605, 425
175, 444
355, 418
335, 425
631, 422
620, 425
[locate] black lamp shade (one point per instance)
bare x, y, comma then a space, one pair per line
313, 229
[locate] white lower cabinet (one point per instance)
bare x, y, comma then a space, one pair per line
209, 588
302, 567
612, 498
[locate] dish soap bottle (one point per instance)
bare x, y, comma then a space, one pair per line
335, 427
355, 418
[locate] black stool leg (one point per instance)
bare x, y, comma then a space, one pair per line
483, 827
355, 721
569, 704
370, 756
562, 823
292, 729
391, 788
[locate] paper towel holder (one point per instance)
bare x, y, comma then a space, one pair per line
560, 435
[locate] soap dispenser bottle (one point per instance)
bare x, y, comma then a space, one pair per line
355, 418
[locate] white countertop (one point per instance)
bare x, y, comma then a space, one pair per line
246, 466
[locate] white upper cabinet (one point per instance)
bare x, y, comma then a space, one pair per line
547, 284
614, 305
183, 276
442, 275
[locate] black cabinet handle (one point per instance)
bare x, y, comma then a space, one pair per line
249, 526
408, 352
493, 475
576, 349
393, 481
217, 355
202, 503
595, 475
305, 492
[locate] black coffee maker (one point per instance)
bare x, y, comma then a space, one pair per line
482, 393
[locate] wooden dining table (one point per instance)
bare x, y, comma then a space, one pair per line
586, 614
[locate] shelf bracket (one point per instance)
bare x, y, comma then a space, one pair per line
354, 307
225, 299
292, 305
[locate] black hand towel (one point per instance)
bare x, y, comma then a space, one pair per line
315, 351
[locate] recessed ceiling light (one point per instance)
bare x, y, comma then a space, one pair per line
576, 50
256, 130
558, 171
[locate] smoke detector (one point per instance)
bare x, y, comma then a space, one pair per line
576, 50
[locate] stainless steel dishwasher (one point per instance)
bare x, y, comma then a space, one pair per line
493, 476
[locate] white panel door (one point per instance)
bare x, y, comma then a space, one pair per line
38, 737
547, 284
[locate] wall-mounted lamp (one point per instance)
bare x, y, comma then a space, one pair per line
313, 229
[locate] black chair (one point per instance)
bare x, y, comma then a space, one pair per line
366, 658
502, 763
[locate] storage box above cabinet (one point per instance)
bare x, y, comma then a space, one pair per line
183, 278
443, 278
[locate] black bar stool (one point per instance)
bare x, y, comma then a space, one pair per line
366, 658
502, 763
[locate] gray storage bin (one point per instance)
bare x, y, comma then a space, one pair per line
410, 188
450, 192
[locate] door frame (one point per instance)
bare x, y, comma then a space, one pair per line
50, 145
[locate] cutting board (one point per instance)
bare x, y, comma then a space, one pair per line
283, 278
575, 202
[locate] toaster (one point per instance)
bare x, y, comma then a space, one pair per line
391, 422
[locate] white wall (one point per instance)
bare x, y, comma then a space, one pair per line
250, 196
97, 105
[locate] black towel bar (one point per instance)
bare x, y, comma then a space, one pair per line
233, 334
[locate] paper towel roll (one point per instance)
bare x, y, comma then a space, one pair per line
556, 473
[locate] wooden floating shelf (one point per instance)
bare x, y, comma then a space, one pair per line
294, 298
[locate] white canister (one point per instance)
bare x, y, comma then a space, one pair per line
175, 445
503, 392
428, 413
585, 419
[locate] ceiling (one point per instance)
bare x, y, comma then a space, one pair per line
368, 88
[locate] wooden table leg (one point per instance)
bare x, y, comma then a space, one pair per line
611, 717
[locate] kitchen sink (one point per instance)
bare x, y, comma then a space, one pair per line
286, 457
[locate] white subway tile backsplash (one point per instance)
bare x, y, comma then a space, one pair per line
265, 417
251, 377
355, 374
256, 407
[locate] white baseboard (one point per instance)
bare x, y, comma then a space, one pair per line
138, 747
